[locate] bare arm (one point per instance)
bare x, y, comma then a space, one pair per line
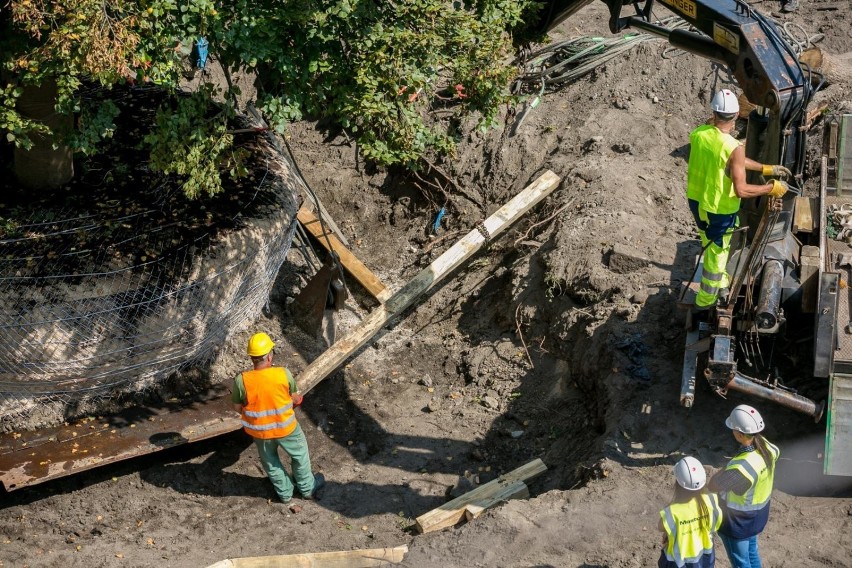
752, 165
737, 165
238, 408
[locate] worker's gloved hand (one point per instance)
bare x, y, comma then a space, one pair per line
297, 399
776, 171
779, 188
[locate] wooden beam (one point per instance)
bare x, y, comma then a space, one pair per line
517, 490
366, 558
426, 279
349, 261
484, 496
813, 114
326, 217
803, 214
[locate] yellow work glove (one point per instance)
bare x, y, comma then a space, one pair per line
779, 188
776, 171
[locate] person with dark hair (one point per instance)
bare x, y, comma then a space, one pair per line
265, 398
716, 183
690, 520
745, 486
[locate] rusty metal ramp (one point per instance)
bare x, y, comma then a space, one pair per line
32, 457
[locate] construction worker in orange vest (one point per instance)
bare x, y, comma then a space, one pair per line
265, 398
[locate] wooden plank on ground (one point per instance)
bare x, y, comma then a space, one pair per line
349, 261
517, 490
450, 513
429, 277
365, 558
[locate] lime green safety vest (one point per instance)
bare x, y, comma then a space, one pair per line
687, 540
752, 466
706, 182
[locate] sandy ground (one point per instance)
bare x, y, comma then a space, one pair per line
540, 347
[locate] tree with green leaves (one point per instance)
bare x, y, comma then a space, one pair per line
395, 75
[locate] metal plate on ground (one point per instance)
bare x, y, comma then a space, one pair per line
32, 457
838, 439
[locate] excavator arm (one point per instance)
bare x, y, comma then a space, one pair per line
731, 33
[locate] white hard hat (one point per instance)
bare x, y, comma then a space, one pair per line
690, 474
745, 419
725, 102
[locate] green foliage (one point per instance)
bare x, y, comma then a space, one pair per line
187, 141
377, 68
96, 125
8, 227
105, 41
381, 70
18, 128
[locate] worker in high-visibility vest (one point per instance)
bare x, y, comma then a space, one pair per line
745, 487
265, 398
716, 182
690, 520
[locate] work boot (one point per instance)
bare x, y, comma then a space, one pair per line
789, 6
319, 483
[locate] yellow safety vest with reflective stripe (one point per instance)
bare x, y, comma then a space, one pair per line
268, 411
688, 541
761, 477
706, 182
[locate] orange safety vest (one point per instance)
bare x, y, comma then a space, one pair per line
268, 412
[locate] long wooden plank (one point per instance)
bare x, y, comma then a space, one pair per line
517, 490
426, 279
365, 558
349, 261
452, 512
328, 219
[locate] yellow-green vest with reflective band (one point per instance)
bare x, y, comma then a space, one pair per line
752, 466
706, 181
688, 540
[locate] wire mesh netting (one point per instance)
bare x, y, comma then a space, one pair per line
121, 281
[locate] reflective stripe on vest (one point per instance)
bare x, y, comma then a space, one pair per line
268, 412
761, 478
706, 182
687, 539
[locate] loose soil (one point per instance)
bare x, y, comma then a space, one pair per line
546, 345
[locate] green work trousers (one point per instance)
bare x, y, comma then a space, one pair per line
714, 275
296, 446
715, 230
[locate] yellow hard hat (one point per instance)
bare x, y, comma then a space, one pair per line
259, 345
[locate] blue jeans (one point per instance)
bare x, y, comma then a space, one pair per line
296, 447
742, 552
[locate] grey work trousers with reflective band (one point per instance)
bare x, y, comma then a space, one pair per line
296, 446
